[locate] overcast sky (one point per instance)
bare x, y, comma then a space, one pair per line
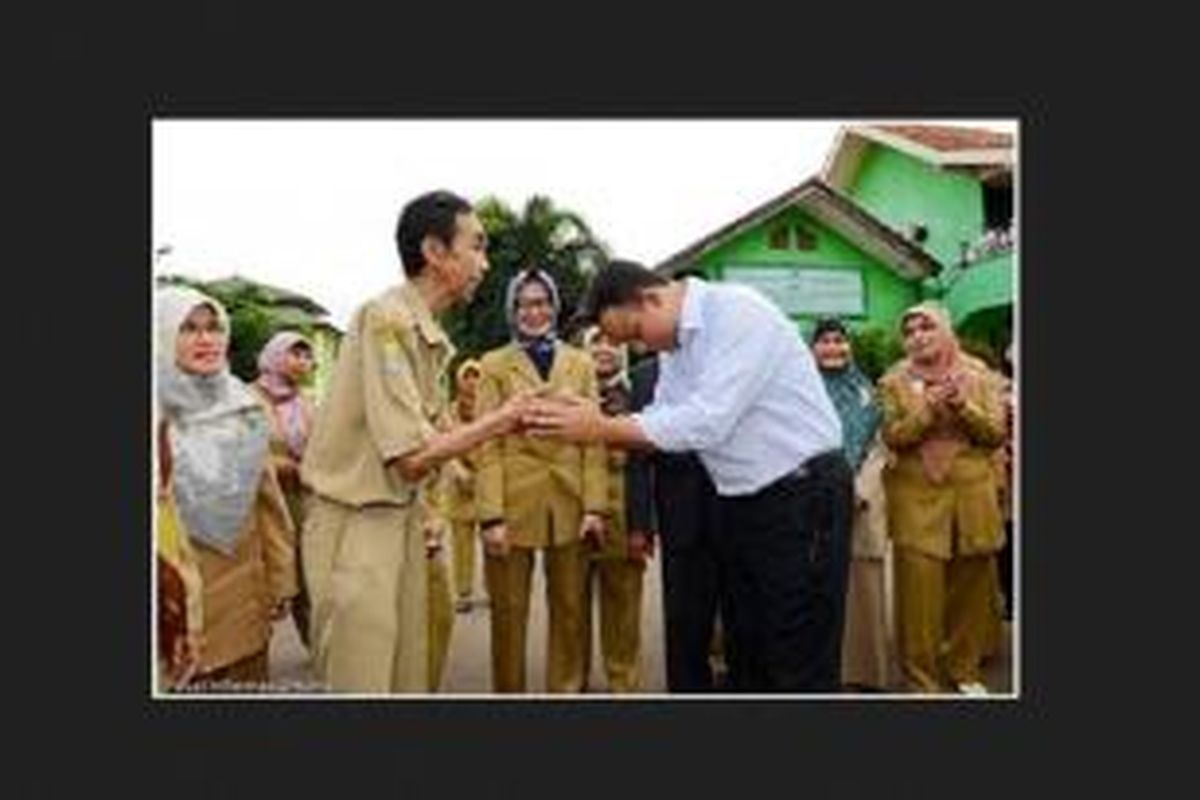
311, 205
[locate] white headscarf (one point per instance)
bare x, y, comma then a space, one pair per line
218, 431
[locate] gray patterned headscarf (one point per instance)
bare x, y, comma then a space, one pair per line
218, 431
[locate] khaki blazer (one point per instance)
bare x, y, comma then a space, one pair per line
538, 487
960, 516
240, 591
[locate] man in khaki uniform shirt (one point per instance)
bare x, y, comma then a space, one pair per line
374, 449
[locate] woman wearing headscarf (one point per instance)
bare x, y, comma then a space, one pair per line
459, 490
284, 364
943, 417
537, 494
865, 640
224, 486
617, 563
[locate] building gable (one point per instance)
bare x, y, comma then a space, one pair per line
810, 270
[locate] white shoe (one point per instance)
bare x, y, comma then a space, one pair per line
973, 689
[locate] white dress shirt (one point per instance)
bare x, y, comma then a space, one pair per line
741, 389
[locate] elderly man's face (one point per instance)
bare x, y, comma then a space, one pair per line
463, 264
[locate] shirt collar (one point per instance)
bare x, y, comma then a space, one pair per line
426, 324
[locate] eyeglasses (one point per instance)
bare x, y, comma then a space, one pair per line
192, 330
529, 305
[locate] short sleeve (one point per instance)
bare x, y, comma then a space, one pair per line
394, 409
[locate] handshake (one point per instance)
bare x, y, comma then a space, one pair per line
546, 413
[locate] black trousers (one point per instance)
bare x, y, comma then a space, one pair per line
693, 595
785, 554
688, 512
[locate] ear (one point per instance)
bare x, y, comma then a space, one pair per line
433, 249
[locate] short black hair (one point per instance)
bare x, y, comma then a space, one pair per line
614, 284
432, 214
826, 325
691, 272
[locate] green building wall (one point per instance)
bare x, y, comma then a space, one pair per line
885, 293
902, 190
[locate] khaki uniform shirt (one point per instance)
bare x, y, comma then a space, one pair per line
386, 393
960, 515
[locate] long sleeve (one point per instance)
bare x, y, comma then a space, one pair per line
906, 415
489, 477
278, 535
595, 456
983, 412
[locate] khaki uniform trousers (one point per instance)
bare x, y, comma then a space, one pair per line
441, 619
464, 542
994, 641
509, 581
620, 599
944, 617
367, 579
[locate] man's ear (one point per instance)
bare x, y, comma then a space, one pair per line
433, 249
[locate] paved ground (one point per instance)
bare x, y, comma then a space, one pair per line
468, 665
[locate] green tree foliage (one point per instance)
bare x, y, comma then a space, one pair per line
253, 318
542, 235
875, 349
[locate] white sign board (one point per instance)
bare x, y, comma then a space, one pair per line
804, 290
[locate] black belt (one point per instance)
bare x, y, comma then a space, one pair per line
816, 465
820, 464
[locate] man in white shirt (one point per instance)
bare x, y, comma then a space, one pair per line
739, 387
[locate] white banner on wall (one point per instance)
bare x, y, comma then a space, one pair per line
804, 290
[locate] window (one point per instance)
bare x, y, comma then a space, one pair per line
777, 239
805, 240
